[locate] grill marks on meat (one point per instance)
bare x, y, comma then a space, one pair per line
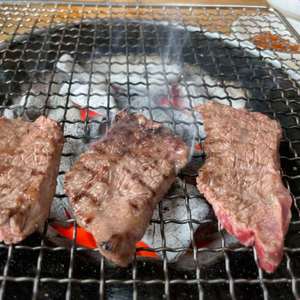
241, 179
115, 186
29, 163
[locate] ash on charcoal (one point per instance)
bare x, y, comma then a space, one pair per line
12, 112
167, 92
208, 256
174, 207
163, 90
136, 72
87, 90
36, 97
184, 123
199, 88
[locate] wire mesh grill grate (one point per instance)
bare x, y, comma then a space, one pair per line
33, 39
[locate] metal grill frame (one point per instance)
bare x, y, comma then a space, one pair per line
167, 282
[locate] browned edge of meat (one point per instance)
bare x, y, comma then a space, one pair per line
29, 163
115, 186
241, 179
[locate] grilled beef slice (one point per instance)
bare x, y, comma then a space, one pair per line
115, 186
29, 161
241, 179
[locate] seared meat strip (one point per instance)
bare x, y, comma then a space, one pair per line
29, 161
115, 186
241, 179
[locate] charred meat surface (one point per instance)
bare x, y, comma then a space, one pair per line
115, 186
241, 179
29, 162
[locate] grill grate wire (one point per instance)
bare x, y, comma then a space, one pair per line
71, 275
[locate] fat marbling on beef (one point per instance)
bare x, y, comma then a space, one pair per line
241, 179
115, 186
29, 161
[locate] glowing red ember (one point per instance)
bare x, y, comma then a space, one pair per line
84, 113
86, 239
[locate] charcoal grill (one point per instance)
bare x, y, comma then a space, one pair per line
33, 36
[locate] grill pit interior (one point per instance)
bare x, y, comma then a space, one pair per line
80, 65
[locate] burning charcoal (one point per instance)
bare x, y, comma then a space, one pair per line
139, 71
76, 144
75, 129
57, 212
210, 242
57, 108
169, 102
86, 90
140, 77
12, 112
173, 112
164, 99
59, 111
94, 98
8, 113
35, 97
189, 126
183, 122
60, 211
200, 88
162, 72
175, 207
65, 64
74, 118
98, 66
79, 74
